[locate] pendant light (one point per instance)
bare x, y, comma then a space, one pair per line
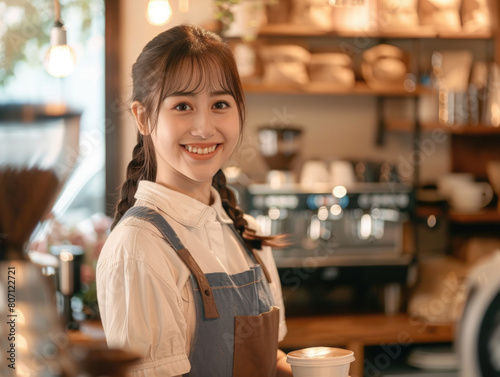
159, 12
60, 59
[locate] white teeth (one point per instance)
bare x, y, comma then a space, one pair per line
198, 150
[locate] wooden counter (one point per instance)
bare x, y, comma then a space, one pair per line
90, 332
357, 331
353, 332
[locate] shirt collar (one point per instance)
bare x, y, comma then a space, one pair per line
181, 207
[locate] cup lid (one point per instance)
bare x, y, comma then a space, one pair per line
320, 356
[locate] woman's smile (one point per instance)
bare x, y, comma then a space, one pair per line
201, 150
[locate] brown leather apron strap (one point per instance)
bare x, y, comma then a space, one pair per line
150, 215
209, 306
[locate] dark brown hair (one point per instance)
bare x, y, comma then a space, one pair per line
160, 70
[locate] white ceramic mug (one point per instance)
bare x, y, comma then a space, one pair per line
342, 173
470, 197
320, 362
493, 171
447, 182
314, 171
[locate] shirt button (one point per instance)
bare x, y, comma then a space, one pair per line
207, 292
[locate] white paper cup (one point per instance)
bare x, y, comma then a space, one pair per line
320, 362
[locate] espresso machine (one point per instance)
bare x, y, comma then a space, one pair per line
354, 240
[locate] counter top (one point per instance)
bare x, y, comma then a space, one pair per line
357, 331
350, 331
90, 332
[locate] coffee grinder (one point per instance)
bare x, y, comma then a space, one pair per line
279, 146
38, 145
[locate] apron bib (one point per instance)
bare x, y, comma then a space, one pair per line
236, 331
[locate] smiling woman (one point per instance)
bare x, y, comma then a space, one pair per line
183, 274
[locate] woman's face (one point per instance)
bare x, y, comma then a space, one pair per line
197, 131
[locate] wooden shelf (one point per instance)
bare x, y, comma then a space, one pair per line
360, 88
471, 130
357, 331
403, 125
485, 216
489, 215
289, 30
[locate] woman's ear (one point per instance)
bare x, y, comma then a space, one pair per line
140, 117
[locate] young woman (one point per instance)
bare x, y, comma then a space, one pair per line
183, 278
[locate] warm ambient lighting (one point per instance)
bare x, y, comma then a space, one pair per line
345, 3
339, 191
60, 59
159, 12
183, 6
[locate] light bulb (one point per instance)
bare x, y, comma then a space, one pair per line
159, 12
60, 59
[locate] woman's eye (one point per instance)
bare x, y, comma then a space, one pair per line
182, 107
221, 105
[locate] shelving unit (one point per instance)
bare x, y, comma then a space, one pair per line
469, 144
486, 216
470, 130
287, 30
282, 32
360, 88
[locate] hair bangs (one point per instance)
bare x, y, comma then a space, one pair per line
199, 72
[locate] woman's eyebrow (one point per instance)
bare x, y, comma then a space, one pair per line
220, 93
183, 94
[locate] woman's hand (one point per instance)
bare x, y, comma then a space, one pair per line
283, 369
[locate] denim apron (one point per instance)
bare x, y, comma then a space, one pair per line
236, 330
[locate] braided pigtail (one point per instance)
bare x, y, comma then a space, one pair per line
138, 169
236, 214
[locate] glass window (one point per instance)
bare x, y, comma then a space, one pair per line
23, 45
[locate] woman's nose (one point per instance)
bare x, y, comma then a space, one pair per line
204, 126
